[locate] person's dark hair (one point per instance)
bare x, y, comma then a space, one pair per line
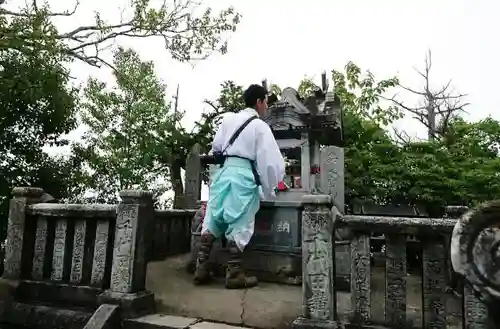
254, 93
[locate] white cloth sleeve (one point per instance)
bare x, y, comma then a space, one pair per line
270, 163
218, 142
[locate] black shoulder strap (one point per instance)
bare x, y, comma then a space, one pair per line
238, 132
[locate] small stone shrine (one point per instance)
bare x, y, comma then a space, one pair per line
309, 133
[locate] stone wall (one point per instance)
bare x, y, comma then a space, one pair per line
319, 301
84, 256
172, 234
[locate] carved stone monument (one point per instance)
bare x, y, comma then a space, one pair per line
318, 271
317, 247
134, 224
21, 196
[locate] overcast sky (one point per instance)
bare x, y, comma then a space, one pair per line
285, 40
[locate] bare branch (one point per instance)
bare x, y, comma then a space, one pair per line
438, 107
36, 11
212, 104
186, 36
411, 90
402, 136
67, 13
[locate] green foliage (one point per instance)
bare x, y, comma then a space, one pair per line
369, 150
126, 127
37, 109
230, 100
361, 94
275, 89
460, 168
134, 137
369, 156
306, 87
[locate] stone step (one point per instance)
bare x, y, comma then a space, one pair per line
162, 321
27, 315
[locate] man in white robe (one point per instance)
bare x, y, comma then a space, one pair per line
252, 159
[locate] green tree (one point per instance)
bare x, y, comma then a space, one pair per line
37, 105
367, 143
370, 153
306, 87
230, 100
474, 148
360, 94
189, 31
127, 126
460, 167
37, 108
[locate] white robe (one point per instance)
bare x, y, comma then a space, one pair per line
256, 142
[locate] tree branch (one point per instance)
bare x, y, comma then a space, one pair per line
185, 35
438, 108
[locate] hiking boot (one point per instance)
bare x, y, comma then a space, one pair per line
202, 273
236, 277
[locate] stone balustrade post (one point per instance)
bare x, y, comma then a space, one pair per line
21, 197
193, 178
318, 264
133, 233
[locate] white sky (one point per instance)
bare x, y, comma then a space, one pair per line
284, 40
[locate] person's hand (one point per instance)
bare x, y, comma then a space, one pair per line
263, 197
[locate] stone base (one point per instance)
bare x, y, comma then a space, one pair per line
132, 304
303, 323
43, 317
57, 294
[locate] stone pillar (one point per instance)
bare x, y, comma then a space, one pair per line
332, 175
21, 197
133, 231
193, 178
318, 265
305, 164
332, 183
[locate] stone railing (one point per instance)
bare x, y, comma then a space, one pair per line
84, 256
172, 234
319, 299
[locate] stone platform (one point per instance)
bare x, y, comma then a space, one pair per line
265, 306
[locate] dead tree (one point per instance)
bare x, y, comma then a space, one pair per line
436, 107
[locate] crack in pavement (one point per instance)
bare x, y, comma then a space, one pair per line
242, 315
